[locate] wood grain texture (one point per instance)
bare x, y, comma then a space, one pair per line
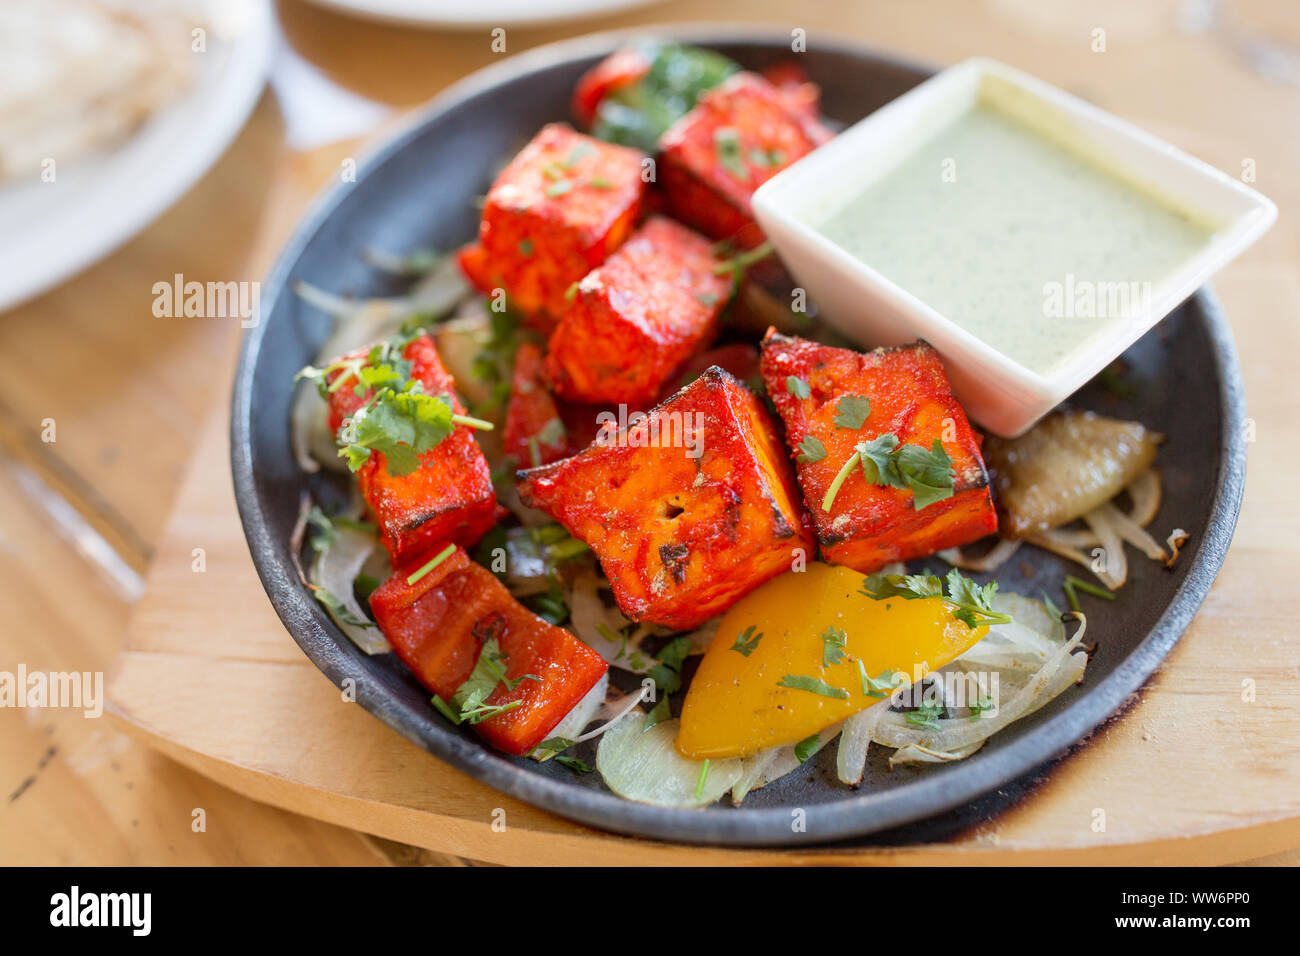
1192, 772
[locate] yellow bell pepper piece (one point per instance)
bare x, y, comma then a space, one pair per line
736, 704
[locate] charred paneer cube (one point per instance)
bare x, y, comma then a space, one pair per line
688, 509
737, 137
535, 432
492, 662
638, 318
449, 497
557, 211
889, 408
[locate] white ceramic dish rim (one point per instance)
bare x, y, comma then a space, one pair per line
809, 181
122, 191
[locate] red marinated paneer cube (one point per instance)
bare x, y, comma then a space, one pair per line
737, 137
555, 213
535, 432
688, 509
438, 625
449, 498
639, 317
870, 525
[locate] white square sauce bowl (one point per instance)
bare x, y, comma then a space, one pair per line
1027, 235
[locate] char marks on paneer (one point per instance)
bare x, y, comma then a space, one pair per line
688, 509
907, 396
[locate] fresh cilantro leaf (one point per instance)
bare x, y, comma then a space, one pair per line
834, 641
878, 462
810, 450
667, 674
559, 188
747, 641
928, 473
978, 707
402, 425
726, 142
926, 715
526, 248
851, 411
972, 604
806, 748
702, 779
879, 686
574, 764
812, 685
658, 714
797, 387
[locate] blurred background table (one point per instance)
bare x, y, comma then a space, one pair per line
129, 392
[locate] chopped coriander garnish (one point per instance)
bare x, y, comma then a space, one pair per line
884, 461
559, 188
600, 182
851, 411
726, 140
746, 641
526, 248
834, 640
658, 714
736, 265
1072, 585
812, 685
441, 706
880, 686
702, 779
441, 556
806, 748
973, 603
574, 764
810, 450
667, 674
926, 715
978, 707
797, 387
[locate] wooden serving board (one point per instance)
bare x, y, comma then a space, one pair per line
1203, 768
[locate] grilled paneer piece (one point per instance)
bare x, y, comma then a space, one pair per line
688, 509
439, 625
449, 498
638, 318
557, 211
870, 525
737, 137
535, 432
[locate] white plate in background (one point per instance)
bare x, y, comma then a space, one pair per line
463, 15
50, 231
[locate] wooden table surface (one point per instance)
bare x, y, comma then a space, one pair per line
129, 393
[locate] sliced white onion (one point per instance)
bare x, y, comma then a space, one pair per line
915, 753
583, 712
995, 558
1059, 671
1145, 493
1132, 532
855, 739
1055, 542
767, 766
644, 765
1177, 538
630, 704
1114, 562
335, 571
